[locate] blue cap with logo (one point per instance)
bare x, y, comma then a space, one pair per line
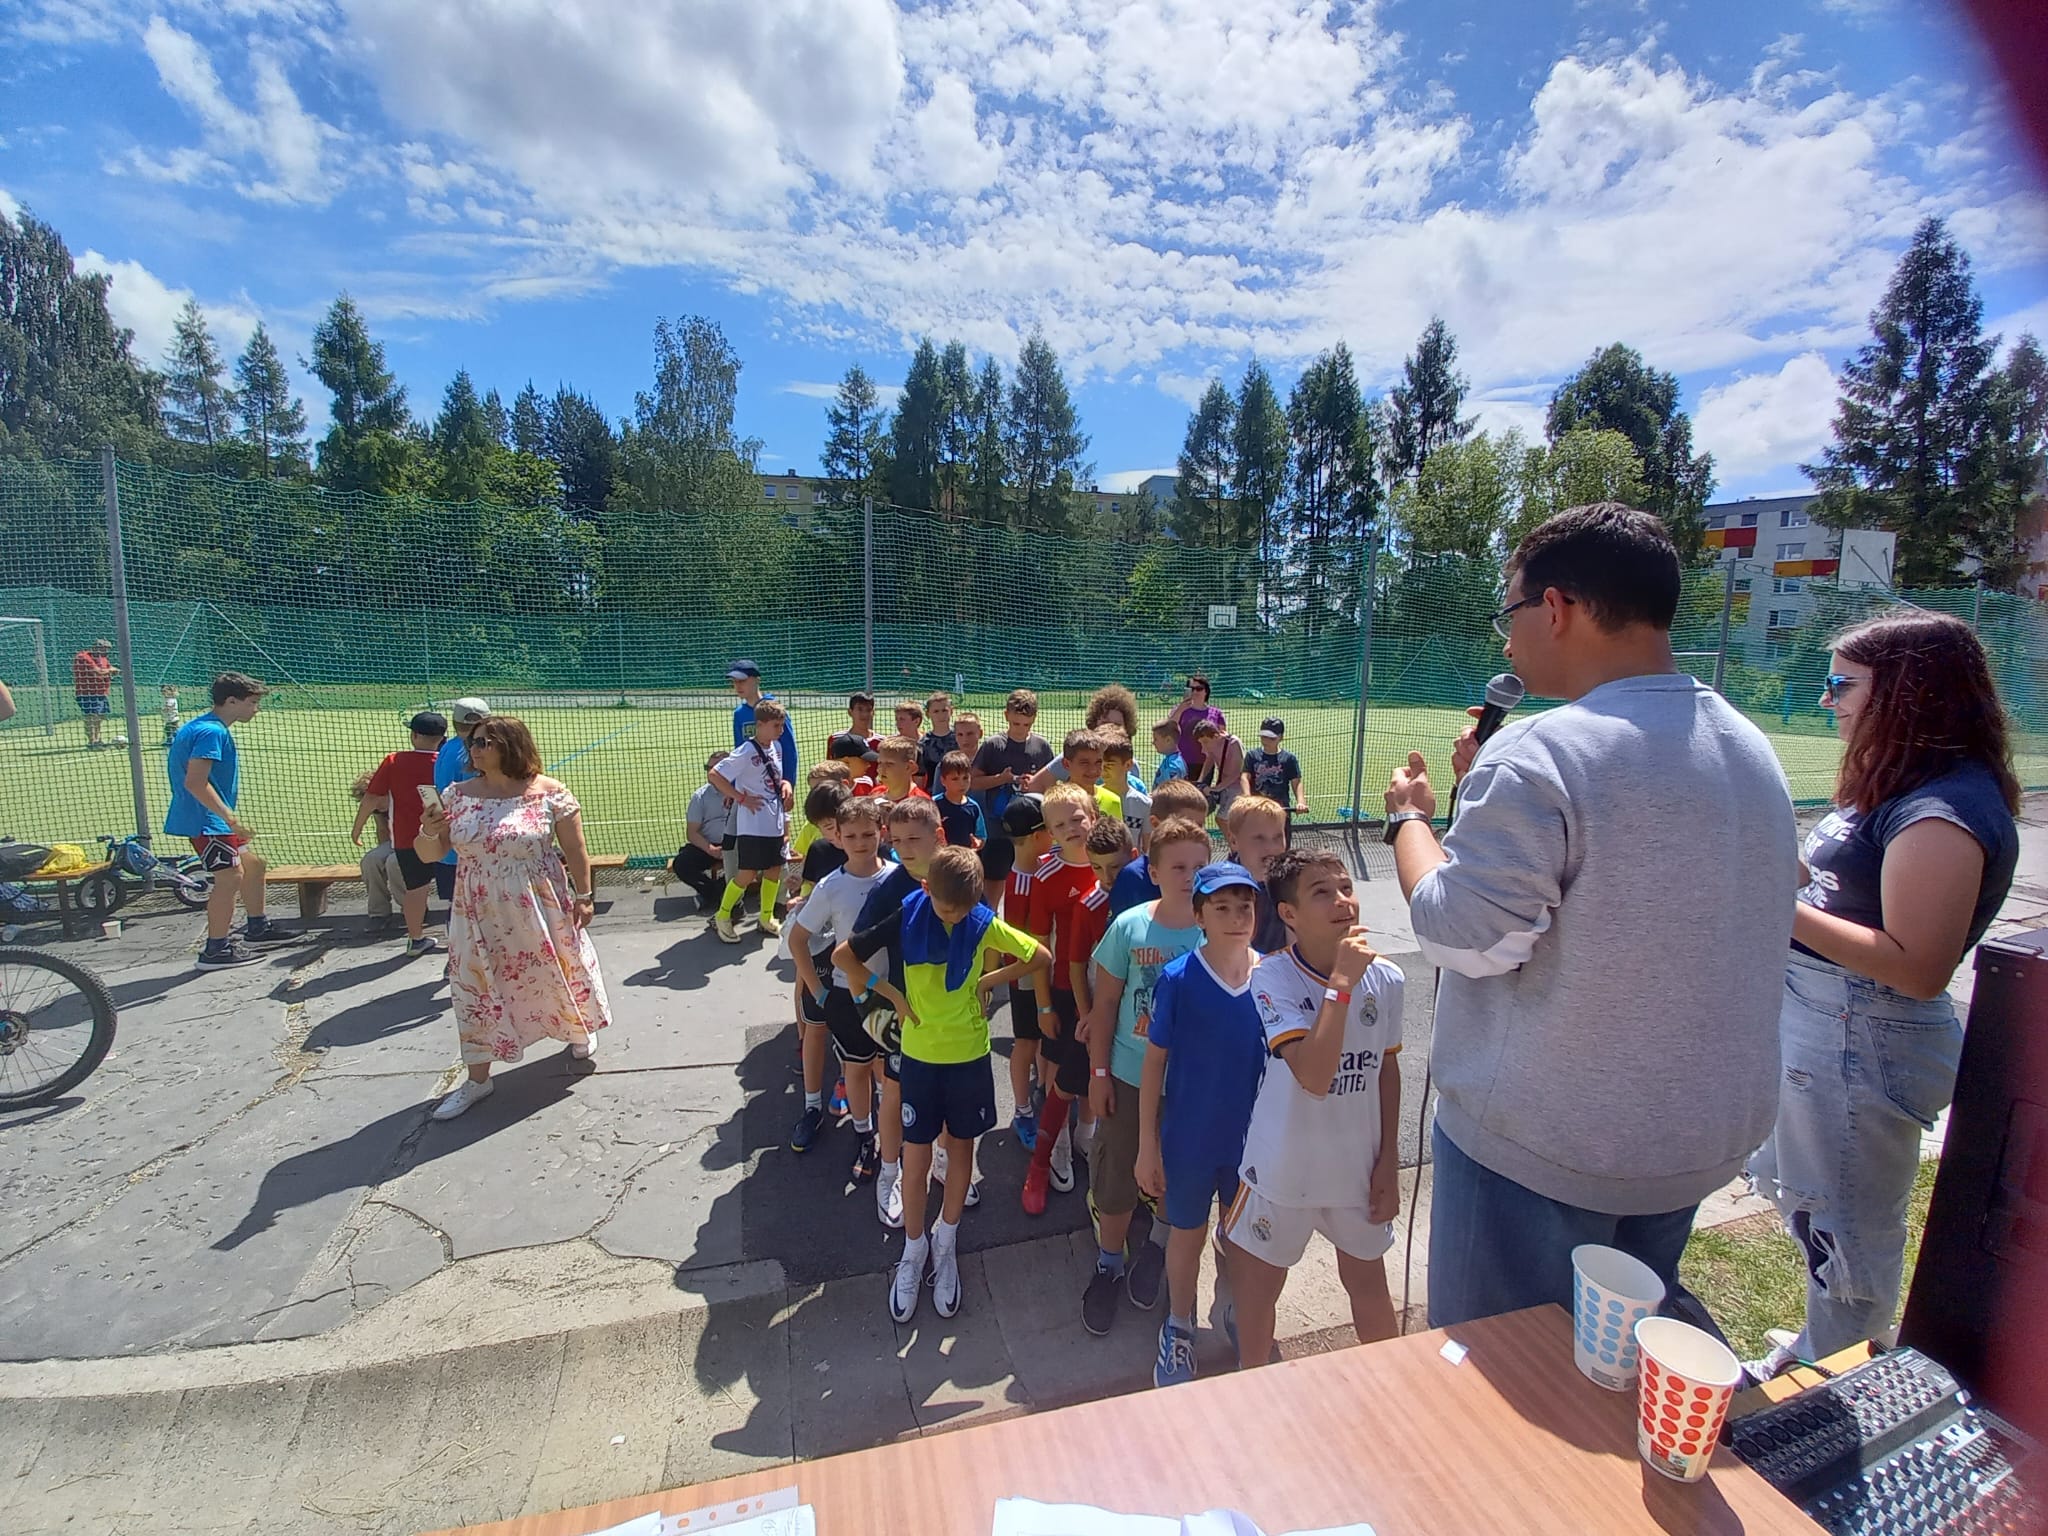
1220, 876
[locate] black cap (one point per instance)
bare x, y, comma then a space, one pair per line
1272, 725
429, 723
846, 744
741, 668
1024, 815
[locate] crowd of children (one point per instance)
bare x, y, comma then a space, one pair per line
1212, 1036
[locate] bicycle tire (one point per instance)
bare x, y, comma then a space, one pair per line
189, 868
100, 895
15, 1026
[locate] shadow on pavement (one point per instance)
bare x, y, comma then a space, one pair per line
379, 1018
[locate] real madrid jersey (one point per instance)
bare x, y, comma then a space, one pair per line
1309, 1151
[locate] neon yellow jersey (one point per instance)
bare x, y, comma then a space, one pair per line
1108, 802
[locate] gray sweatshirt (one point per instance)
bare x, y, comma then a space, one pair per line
1612, 923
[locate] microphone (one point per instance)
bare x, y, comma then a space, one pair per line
1502, 695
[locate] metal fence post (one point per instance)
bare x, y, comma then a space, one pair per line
1727, 610
1365, 607
117, 579
867, 582
1977, 604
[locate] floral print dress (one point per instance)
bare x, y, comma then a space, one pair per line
520, 969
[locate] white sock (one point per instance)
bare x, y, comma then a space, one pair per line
865, 1125
917, 1248
893, 1171
814, 1101
946, 1233
1185, 1324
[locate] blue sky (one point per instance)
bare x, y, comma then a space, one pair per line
1166, 187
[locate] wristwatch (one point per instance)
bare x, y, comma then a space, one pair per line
1394, 824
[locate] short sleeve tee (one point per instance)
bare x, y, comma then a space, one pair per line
1273, 774
743, 727
1172, 766
402, 776
949, 1025
1216, 1054
1135, 950
962, 823
711, 813
1301, 1150
931, 751
1057, 889
1022, 758
1133, 888
751, 769
829, 913
1138, 812
1844, 854
820, 859
202, 738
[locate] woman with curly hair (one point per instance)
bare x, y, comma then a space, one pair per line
1901, 877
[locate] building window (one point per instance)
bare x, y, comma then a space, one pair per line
1782, 586
1717, 522
768, 491
817, 496
1749, 519
1790, 518
1116, 506
1784, 618
1743, 583
1792, 551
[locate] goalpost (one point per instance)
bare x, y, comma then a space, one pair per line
34, 631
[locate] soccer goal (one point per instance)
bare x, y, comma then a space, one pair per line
25, 666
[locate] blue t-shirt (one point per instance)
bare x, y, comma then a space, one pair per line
1133, 887
743, 732
1135, 950
1172, 766
452, 766
206, 738
1216, 1055
1844, 854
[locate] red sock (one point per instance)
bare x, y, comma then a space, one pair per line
1050, 1119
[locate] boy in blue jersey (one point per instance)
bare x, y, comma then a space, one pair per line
1206, 1043
745, 678
205, 776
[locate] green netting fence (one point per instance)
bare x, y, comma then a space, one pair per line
611, 636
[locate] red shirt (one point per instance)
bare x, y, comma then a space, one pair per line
400, 776
1057, 891
1017, 899
917, 791
90, 676
1091, 922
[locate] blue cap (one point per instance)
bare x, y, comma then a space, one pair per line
1220, 876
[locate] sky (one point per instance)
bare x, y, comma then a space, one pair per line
1165, 188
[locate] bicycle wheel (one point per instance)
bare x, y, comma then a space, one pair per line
56, 1025
100, 895
189, 882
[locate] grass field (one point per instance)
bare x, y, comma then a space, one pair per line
634, 765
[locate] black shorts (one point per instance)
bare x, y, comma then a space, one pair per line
1065, 1050
808, 1008
956, 1097
850, 1038
758, 855
1024, 1014
415, 870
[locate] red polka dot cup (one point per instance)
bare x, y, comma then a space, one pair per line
1683, 1390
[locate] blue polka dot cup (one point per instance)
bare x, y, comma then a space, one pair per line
1611, 1293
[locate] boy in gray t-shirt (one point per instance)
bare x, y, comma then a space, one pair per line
707, 849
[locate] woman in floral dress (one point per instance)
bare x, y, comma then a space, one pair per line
520, 965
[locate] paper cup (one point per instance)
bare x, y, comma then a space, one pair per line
1611, 1293
111, 928
1688, 1380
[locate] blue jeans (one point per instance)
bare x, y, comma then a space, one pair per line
1497, 1246
1867, 1070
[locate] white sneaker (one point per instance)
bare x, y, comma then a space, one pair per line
939, 1176
468, 1093
889, 1197
726, 932
770, 926
945, 1274
907, 1283
587, 1049
1063, 1159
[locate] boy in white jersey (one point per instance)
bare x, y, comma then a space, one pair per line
1320, 1155
827, 917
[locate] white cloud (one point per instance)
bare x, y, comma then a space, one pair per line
148, 306
278, 131
1760, 421
9, 208
813, 389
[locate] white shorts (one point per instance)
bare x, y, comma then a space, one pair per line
1278, 1234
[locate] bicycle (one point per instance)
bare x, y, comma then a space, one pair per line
56, 1025
131, 863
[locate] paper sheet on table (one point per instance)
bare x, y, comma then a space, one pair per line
769, 1514
1027, 1517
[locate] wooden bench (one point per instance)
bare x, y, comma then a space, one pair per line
313, 880
73, 911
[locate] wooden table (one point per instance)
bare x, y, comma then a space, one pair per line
1514, 1440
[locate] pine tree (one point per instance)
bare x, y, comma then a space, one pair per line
198, 405
1618, 391
1333, 494
498, 419
462, 442
956, 428
1911, 428
989, 473
853, 443
1422, 410
2015, 467
368, 447
1042, 439
529, 426
914, 432
582, 445
1260, 449
273, 419
1203, 509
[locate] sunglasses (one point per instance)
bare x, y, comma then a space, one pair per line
1838, 681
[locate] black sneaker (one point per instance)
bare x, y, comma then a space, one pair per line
227, 955
269, 933
867, 1160
805, 1131
1098, 1302
1144, 1274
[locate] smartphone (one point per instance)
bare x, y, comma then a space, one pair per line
430, 798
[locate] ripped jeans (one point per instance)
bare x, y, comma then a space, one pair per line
1866, 1071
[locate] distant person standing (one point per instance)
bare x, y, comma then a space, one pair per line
379, 864
92, 680
1274, 772
452, 766
745, 678
170, 712
1190, 712
205, 777
1219, 772
399, 780
1006, 761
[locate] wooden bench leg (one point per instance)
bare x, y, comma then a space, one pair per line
313, 897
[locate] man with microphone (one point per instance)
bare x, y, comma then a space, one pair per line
1610, 911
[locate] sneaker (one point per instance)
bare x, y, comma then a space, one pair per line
1036, 1182
1147, 1274
1063, 1160
586, 1050
1776, 1363
867, 1159
468, 1093
1176, 1362
226, 955
422, 945
946, 1276
889, 1197
806, 1129
1024, 1126
726, 932
771, 927
939, 1162
268, 933
905, 1285
1098, 1302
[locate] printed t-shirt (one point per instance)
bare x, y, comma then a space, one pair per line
1135, 951
91, 678
1216, 1053
402, 776
711, 813
203, 737
1138, 812
949, 1024
1057, 888
1302, 1150
931, 751
743, 726
829, 912
752, 770
1022, 758
962, 823
1273, 774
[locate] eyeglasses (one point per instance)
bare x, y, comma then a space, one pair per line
1837, 681
1503, 620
